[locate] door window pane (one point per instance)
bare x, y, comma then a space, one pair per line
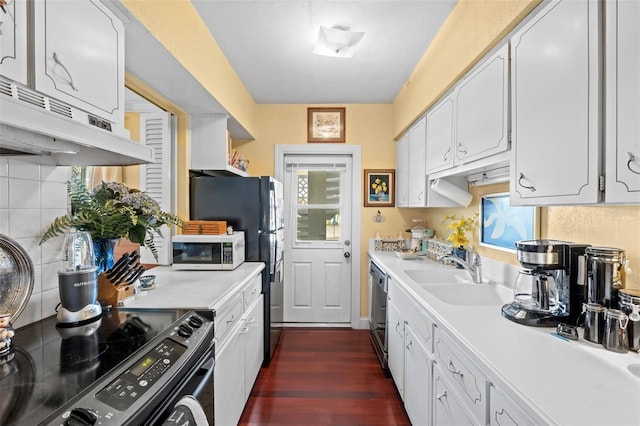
318, 224
318, 205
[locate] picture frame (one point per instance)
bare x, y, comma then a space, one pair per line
326, 124
502, 224
379, 188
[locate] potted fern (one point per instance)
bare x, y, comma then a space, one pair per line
111, 211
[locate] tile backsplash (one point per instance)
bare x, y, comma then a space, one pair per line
31, 196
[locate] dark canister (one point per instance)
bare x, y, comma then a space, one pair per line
593, 322
615, 331
630, 305
604, 267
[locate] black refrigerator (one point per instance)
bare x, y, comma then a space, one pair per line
253, 205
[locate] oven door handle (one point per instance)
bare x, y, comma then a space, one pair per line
206, 371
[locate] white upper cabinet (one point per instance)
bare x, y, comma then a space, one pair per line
482, 110
555, 106
417, 172
412, 187
79, 56
402, 172
622, 108
472, 121
13, 41
210, 146
440, 135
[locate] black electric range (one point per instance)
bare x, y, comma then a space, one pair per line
57, 369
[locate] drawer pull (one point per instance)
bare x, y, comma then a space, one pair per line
250, 320
233, 318
442, 395
453, 370
244, 330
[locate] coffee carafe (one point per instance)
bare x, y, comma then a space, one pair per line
550, 287
77, 282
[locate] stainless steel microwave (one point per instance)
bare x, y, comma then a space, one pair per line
208, 252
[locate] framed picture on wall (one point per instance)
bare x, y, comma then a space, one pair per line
502, 224
326, 125
379, 188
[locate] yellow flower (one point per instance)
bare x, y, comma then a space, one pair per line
460, 227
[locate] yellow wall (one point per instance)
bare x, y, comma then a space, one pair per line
178, 27
472, 29
369, 126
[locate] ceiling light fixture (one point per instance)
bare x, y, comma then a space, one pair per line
337, 42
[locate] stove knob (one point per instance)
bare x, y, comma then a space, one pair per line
81, 417
195, 322
185, 331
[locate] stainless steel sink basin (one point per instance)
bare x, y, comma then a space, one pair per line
437, 276
471, 294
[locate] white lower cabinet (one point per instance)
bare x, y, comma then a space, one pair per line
462, 373
395, 340
417, 378
229, 384
447, 407
441, 383
253, 331
239, 353
503, 412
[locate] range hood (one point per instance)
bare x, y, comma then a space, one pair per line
44, 130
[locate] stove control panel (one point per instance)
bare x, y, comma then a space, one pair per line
136, 388
133, 383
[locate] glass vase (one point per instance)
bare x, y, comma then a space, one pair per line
104, 250
460, 252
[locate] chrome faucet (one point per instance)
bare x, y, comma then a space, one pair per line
473, 267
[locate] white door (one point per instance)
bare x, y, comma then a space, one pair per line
317, 271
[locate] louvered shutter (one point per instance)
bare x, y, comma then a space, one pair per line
156, 178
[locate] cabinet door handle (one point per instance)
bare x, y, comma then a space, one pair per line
397, 326
410, 345
529, 187
250, 320
420, 195
233, 318
453, 370
57, 60
631, 158
446, 154
244, 330
442, 395
461, 148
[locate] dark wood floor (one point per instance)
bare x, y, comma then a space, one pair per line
324, 377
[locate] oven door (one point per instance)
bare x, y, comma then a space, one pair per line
199, 384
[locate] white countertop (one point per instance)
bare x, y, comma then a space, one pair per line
192, 289
564, 382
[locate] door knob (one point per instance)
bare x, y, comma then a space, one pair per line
347, 254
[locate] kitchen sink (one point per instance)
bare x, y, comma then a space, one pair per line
437, 276
470, 294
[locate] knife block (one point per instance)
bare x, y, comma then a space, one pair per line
110, 294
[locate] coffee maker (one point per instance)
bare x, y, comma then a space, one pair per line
550, 288
77, 282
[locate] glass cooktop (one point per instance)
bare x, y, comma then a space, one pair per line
51, 365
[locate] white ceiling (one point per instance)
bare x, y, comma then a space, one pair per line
269, 43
